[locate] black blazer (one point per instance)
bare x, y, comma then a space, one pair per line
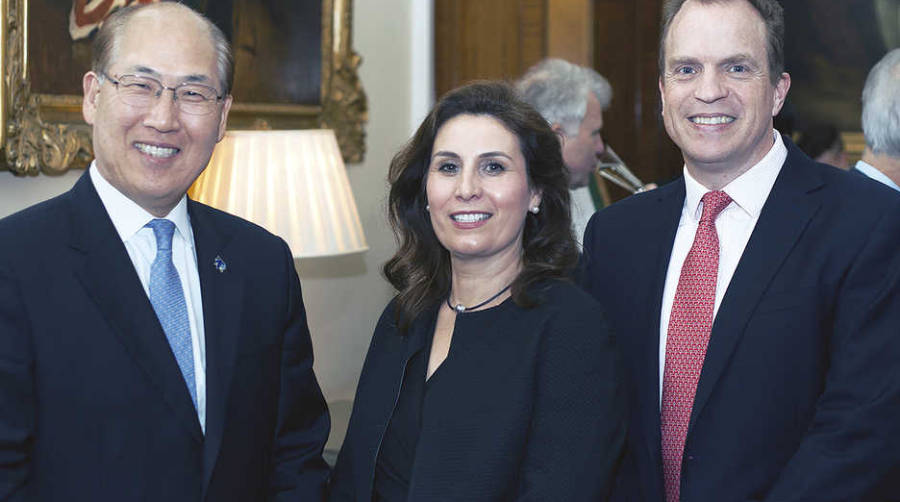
799, 397
94, 407
535, 411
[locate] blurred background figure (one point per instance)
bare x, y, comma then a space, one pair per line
571, 99
489, 376
881, 122
823, 143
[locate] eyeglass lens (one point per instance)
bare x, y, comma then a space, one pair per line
141, 92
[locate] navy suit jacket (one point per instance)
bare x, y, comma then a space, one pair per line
799, 396
94, 407
854, 170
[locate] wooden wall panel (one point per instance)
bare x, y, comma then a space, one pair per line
625, 52
489, 39
478, 39
570, 31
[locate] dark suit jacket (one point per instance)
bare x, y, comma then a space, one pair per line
94, 407
857, 172
799, 397
530, 406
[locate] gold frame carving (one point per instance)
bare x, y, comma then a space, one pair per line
46, 134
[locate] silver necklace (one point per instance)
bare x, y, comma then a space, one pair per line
460, 308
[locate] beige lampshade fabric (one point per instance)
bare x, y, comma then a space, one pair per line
293, 183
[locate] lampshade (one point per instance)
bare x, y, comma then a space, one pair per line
292, 183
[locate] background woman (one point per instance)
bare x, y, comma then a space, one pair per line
490, 376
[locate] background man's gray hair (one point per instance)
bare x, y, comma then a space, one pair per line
104, 46
559, 91
881, 106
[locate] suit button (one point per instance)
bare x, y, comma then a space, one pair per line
690, 457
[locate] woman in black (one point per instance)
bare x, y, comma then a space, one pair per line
489, 376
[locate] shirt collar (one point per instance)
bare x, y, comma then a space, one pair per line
749, 191
128, 218
873, 172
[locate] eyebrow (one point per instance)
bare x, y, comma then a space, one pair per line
453, 155
739, 58
194, 77
682, 61
736, 58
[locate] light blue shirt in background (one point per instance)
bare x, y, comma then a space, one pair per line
870, 171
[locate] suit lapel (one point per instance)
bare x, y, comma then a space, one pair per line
787, 212
221, 290
669, 204
420, 334
110, 280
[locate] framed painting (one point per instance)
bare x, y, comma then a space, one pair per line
294, 69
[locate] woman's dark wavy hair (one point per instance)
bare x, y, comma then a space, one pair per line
420, 270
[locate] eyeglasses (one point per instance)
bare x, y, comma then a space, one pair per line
142, 92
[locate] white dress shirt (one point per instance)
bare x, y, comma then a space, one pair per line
873, 172
734, 225
583, 208
129, 220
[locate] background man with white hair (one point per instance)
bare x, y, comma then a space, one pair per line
881, 122
572, 99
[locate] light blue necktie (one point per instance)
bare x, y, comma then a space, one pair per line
167, 299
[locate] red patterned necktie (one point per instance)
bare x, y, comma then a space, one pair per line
689, 326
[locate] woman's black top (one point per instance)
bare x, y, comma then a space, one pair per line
528, 405
394, 466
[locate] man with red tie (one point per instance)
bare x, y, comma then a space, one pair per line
756, 300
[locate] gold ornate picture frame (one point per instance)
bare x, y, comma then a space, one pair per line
45, 133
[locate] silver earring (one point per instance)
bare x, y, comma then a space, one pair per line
535, 209
427, 207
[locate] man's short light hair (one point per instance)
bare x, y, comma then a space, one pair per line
106, 39
772, 14
559, 91
881, 106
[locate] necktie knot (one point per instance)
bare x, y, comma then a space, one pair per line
713, 204
163, 230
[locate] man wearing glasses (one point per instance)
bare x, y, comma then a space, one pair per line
152, 348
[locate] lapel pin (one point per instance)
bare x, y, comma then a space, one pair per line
219, 263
